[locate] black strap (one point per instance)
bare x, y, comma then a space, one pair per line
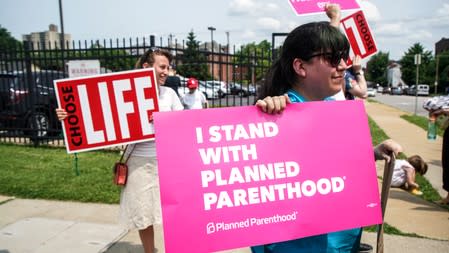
124, 152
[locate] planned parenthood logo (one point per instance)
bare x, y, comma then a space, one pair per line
215, 227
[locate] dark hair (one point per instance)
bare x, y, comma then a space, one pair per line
148, 56
418, 163
302, 42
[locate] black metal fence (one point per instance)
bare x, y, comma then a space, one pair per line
27, 97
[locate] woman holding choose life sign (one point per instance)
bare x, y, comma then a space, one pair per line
140, 206
310, 68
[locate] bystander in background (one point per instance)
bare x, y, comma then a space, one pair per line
194, 99
439, 107
404, 173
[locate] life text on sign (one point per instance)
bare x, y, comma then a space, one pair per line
107, 117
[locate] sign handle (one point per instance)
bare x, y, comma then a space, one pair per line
386, 185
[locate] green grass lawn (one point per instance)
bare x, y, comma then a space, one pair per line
421, 122
49, 173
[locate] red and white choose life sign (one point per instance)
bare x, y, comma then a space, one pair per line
359, 35
108, 110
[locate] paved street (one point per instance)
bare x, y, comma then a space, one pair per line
404, 102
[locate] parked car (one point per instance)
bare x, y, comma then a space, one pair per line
211, 91
396, 91
423, 89
221, 85
371, 92
252, 89
26, 106
386, 90
242, 90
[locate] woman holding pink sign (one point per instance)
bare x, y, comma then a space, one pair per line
140, 206
311, 68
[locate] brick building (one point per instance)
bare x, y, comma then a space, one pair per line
48, 39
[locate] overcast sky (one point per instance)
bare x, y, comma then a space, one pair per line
396, 24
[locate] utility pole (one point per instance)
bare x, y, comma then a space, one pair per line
170, 42
417, 62
227, 40
227, 56
436, 72
212, 29
62, 37
61, 20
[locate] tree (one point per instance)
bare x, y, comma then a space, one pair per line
111, 59
193, 60
256, 57
408, 66
7, 41
443, 71
376, 68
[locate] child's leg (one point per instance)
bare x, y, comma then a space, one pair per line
412, 186
410, 177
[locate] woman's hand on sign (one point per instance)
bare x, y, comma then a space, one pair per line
357, 63
273, 105
61, 113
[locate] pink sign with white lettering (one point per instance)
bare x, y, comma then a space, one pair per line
302, 7
236, 177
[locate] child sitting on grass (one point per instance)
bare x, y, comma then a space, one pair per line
405, 171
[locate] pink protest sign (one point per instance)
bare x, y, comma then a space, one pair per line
236, 177
302, 7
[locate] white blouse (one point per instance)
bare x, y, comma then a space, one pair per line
168, 101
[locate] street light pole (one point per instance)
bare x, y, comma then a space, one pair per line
417, 62
227, 41
62, 37
227, 56
61, 19
212, 29
436, 72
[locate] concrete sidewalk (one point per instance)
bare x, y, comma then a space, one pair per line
412, 138
404, 211
54, 226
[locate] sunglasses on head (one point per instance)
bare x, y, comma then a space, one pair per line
150, 51
333, 58
154, 49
